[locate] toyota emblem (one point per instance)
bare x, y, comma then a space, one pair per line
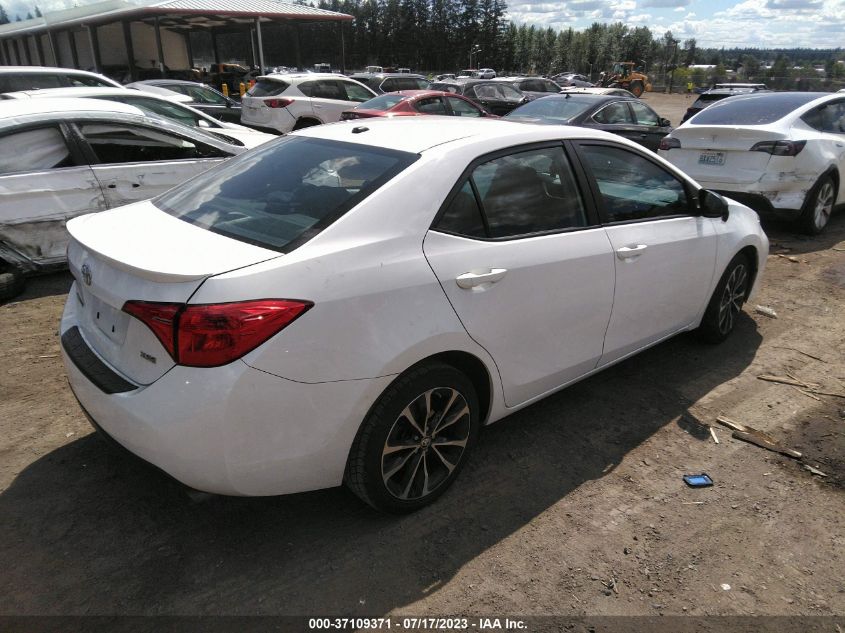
86, 274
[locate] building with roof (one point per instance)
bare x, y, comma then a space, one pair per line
137, 34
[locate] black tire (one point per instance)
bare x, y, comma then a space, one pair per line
637, 88
303, 123
11, 282
727, 301
818, 206
389, 425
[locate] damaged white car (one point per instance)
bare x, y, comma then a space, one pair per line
60, 158
775, 152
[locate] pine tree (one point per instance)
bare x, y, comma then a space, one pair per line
4, 17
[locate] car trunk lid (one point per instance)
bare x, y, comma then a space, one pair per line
140, 253
721, 153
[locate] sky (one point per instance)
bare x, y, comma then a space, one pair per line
713, 23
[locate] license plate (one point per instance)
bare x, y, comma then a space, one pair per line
711, 158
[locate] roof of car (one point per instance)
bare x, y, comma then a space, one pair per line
45, 70
386, 75
418, 134
20, 107
171, 82
86, 91
301, 76
597, 90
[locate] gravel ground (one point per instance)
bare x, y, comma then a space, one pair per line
574, 506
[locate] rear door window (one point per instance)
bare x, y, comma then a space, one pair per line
827, 118
46, 148
463, 108
614, 113
267, 88
519, 194
431, 105
117, 143
283, 193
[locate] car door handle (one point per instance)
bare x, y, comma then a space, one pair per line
470, 280
630, 252
112, 186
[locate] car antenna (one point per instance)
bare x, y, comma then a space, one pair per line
359, 129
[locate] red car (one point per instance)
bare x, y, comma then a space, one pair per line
415, 103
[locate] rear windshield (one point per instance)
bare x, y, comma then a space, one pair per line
553, 109
706, 99
34, 81
284, 193
267, 88
403, 83
384, 102
752, 109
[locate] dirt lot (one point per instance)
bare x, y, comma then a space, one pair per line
578, 492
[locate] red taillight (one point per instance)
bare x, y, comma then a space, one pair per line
278, 103
669, 142
779, 148
159, 317
210, 335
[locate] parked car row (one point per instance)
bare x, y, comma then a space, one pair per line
209, 330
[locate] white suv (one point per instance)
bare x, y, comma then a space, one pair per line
291, 102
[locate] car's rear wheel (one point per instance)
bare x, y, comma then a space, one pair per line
727, 301
11, 282
303, 123
818, 206
637, 88
415, 440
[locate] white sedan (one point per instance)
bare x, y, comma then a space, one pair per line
170, 106
60, 158
350, 303
775, 151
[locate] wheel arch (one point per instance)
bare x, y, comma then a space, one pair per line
752, 255
306, 121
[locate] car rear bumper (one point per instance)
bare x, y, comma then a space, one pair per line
773, 192
233, 430
278, 120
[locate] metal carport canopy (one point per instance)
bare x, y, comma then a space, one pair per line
183, 15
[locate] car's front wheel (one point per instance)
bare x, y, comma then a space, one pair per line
727, 301
818, 206
415, 440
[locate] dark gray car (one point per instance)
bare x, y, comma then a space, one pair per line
203, 97
625, 116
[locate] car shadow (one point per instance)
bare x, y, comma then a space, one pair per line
88, 529
783, 234
40, 286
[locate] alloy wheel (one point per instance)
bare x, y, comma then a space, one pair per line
733, 297
426, 443
824, 205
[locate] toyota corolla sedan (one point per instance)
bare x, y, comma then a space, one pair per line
779, 152
351, 303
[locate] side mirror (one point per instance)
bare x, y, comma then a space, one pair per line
203, 123
664, 122
712, 205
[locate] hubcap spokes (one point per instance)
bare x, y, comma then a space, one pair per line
732, 299
425, 443
824, 205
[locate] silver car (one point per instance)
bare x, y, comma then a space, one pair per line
83, 155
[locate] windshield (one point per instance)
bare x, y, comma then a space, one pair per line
552, 109
753, 109
285, 192
384, 102
162, 108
